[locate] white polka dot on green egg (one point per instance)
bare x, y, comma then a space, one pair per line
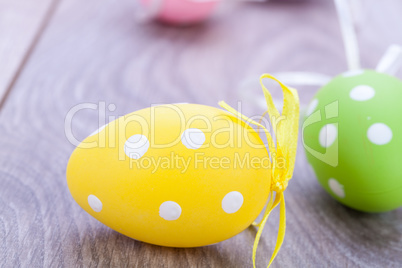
328, 135
355, 148
336, 187
379, 134
362, 93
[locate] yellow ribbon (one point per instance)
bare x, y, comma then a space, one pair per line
285, 127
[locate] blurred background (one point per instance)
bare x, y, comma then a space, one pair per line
55, 54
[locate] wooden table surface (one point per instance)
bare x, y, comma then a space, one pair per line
55, 54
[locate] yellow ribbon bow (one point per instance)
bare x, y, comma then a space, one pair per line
285, 127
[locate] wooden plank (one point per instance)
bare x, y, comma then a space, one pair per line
21, 23
96, 52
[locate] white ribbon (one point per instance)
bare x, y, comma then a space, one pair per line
391, 61
348, 33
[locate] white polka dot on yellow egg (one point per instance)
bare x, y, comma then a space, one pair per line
95, 203
232, 202
136, 146
170, 211
193, 138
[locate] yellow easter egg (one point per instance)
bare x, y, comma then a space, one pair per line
182, 175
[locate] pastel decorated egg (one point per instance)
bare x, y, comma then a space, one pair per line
182, 175
179, 11
353, 139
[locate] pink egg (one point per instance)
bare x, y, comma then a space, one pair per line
179, 11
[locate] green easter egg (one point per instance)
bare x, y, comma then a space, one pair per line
352, 135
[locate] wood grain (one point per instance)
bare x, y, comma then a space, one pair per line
95, 51
21, 23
